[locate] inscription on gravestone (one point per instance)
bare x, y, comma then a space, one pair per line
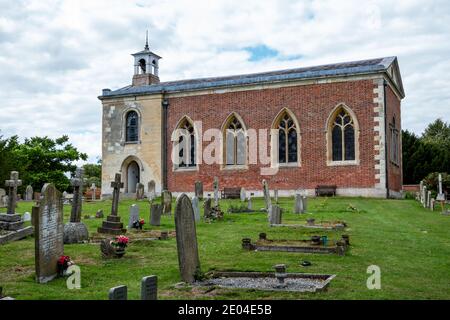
49, 246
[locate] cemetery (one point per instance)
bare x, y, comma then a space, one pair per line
176, 242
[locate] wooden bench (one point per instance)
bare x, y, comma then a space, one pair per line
325, 190
231, 193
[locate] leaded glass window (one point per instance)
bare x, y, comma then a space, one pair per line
287, 140
186, 145
343, 137
235, 143
132, 126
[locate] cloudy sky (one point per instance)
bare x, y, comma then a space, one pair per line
56, 56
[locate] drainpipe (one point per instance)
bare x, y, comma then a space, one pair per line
165, 106
386, 139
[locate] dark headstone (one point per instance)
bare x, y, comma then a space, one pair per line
199, 190
207, 208
186, 235
216, 191
274, 214
118, 293
149, 288
49, 244
139, 191
155, 214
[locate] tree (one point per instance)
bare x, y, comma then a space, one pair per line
7, 157
437, 132
92, 174
46, 160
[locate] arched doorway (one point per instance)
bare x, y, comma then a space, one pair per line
133, 176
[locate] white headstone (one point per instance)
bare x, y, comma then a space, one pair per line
134, 215
243, 194
26, 216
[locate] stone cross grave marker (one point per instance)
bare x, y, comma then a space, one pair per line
29, 193
166, 198
186, 236
77, 184
49, 245
112, 225
199, 189
139, 191
216, 191
275, 215
243, 194
151, 190
134, 215
441, 195
196, 208
155, 214
266, 192
118, 293
94, 191
12, 184
149, 288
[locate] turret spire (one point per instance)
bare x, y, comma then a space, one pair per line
146, 41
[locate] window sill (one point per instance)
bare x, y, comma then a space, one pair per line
235, 167
187, 169
131, 142
288, 165
343, 163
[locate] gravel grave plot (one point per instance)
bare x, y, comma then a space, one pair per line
265, 283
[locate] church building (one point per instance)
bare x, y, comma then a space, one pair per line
337, 124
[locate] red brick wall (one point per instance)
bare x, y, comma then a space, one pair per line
312, 105
394, 171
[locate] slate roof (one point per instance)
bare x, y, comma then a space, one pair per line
370, 66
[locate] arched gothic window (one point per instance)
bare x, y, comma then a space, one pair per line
132, 126
235, 142
142, 65
287, 140
343, 137
185, 147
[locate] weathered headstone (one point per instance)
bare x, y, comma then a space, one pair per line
441, 195
305, 203
149, 288
76, 231
298, 205
118, 293
94, 191
26, 216
3, 203
266, 192
196, 208
207, 208
155, 214
29, 193
216, 191
166, 199
249, 203
134, 215
112, 225
274, 215
425, 194
199, 189
186, 235
429, 199
432, 203
139, 191
421, 192
243, 194
49, 233
12, 185
275, 195
151, 190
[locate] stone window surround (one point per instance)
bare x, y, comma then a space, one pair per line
174, 138
125, 112
232, 167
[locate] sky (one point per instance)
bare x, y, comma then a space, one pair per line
57, 56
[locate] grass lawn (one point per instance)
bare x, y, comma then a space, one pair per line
410, 244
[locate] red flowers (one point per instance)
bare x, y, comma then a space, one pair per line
141, 221
63, 261
121, 241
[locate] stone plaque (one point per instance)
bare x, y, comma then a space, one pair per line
155, 214
149, 288
186, 235
166, 198
49, 246
118, 293
199, 190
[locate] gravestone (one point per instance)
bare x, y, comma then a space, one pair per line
266, 192
118, 293
429, 199
155, 214
216, 191
166, 199
196, 208
11, 220
432, 204
243, 194
49, 233
134, 215
26, 217
151, 190
425, 193
441, 195
2, 195
189, 262
29, 193
275, 214
249, 203
207, 208
94, 191
421, 192
275, 195
149, 288
99, 213
139, 191
305, 203
199, 190
76, 231
298, 205
112, 225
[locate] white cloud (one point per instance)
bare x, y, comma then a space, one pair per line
56, 56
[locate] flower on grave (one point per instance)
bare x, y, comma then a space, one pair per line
63, 263
141, 222
121, 241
